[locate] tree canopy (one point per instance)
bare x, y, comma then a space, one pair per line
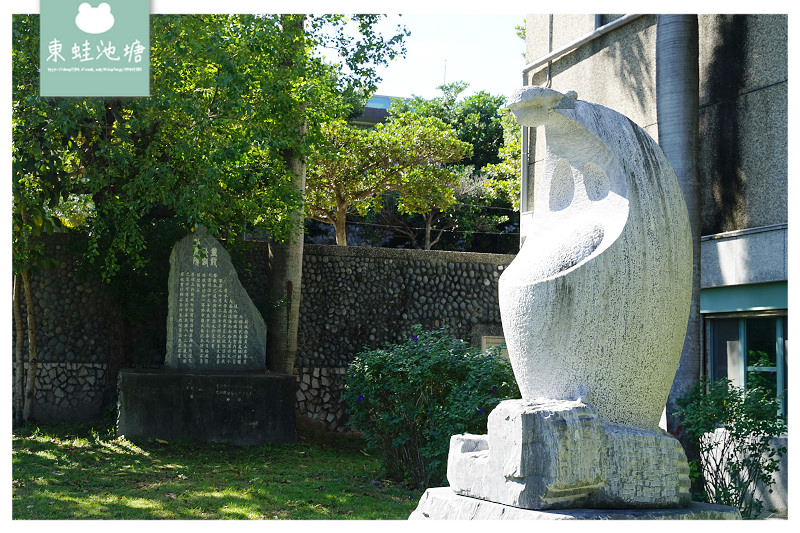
475, 118
351, 167
208, 146
237, 102
481, 203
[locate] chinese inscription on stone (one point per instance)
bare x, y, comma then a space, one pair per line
212, 323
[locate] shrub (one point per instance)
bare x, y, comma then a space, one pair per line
733, 428
408, 399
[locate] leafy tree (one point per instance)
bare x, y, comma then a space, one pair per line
351, 167
43, 169
481, 205
236, 102
477, 210
475, 118
504, 176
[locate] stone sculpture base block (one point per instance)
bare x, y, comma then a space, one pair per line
559, 454
235, 407
442, 503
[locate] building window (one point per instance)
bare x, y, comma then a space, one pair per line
750, 350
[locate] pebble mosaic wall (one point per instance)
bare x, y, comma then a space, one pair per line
352, 298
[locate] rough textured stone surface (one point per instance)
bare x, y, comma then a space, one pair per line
596, 303
443, 504
383, 289
356, 296
212, 322
558, 454
594, 311
234, 407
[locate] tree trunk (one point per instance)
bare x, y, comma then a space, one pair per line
677, 89
33, 356
286, 259
286, 275
428, 224
19, 354
340, 228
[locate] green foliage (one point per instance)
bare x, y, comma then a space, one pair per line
482, 205
410, 398
233, 97
733, 428
505, 175
351, 167
475, 118
764, 373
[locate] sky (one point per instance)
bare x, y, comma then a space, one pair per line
480, 49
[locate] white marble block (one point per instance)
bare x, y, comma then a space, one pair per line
594, 310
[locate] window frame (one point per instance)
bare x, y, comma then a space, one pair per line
781, 341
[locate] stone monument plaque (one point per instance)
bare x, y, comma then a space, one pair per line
212, 322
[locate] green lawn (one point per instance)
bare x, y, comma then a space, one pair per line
75, 472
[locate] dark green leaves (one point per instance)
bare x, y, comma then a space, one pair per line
409, 399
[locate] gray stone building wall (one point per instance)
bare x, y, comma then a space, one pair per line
743, 121
743, 65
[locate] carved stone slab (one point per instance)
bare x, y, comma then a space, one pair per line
212, 322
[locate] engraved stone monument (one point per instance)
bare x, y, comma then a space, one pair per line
594, 310
215, 386
212, 323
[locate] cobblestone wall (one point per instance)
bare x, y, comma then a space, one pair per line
72, 324
357, 297
352, 298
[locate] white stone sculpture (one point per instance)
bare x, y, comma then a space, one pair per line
594, 310
595, 304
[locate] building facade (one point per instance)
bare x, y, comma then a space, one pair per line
742, 166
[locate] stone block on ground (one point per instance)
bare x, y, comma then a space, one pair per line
441, 503
551, 454
234, 407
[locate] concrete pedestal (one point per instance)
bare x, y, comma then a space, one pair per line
442, 503
236, 407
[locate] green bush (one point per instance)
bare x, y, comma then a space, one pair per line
408, 399
733, 428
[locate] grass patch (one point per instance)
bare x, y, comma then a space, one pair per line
76, 472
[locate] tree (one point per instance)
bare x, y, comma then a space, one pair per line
236, 102
475, 118
360, 55
504, 176
43, 170
350, 168
481, 204
477, 211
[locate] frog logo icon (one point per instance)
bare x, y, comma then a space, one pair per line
94, 20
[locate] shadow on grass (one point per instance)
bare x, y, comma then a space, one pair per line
77, 473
